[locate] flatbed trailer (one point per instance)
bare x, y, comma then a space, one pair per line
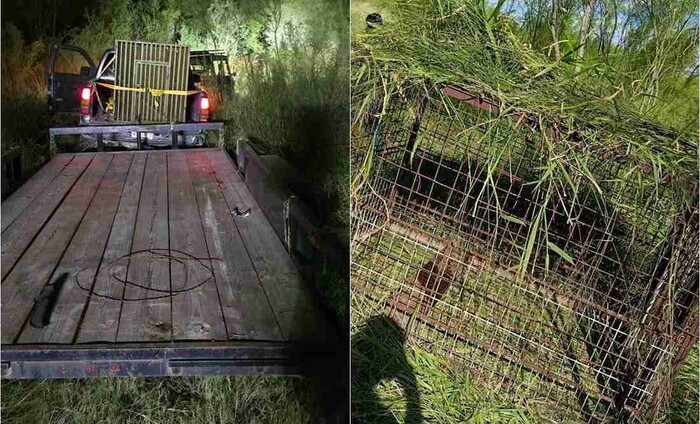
152, 263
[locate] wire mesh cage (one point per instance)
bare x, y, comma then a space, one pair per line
581, 295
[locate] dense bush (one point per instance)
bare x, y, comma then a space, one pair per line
293, 101
24, 112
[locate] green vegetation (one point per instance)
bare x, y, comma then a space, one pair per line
160, 400
382, 363
431, 43
477, 323
393, 382
293, 102
684, 406
24, 115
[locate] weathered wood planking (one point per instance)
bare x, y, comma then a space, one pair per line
295, 307
35, 267
289, 297
246, 309
17, 237
197, 312
25, 195
98, 208
264, 247
83, 253
149, 319
101, 320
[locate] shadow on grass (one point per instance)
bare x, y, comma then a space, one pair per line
378, 355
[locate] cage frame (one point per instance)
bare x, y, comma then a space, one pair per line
638, 400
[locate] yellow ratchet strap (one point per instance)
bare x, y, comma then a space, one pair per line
154, 91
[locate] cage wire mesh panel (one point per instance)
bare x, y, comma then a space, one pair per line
556, 295
151, 66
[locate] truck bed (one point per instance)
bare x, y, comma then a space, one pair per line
154, 271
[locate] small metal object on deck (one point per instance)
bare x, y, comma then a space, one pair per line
237, 212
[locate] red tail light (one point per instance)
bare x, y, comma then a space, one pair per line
204, 103
85, 94
204, 106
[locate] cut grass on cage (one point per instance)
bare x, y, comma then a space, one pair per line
577, 119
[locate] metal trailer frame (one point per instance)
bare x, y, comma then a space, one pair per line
160, 359
173, 129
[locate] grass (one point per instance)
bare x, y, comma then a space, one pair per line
395, 383
24, 113
416, 53
160, 400
296, 106
684, 406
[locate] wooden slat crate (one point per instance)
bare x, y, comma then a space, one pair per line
152, 66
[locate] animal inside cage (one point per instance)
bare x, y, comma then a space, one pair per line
580, 292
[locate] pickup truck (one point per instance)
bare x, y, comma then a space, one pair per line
91, 93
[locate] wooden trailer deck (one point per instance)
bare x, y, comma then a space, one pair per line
153, 271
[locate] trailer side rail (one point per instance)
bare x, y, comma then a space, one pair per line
173, 129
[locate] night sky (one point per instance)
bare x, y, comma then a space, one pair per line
35, 18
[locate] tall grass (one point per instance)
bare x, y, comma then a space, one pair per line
396, 383
684, 407
293, 101
24, 112
159, 400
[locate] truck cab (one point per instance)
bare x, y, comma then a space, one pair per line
76, 85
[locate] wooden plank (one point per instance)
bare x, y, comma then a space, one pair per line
82, 259
197, 312
146, 313
246, 309
295, 308
289, 297
101, 320
264, 247
17, 237
25, 195
35, 267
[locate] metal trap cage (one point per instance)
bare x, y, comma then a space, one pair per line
572, 298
